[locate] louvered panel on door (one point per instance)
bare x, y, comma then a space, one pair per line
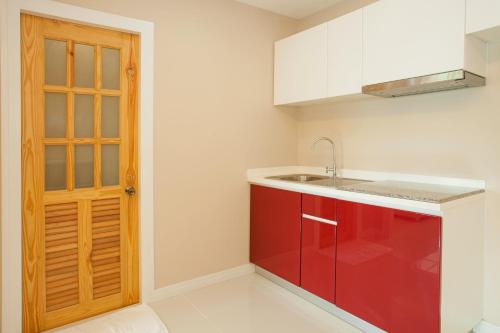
61, 256
106, 255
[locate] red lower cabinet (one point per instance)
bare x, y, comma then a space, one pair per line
275, 218
318, 246
388, 267
318, 259
379, 264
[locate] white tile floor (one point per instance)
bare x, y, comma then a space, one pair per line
248, 304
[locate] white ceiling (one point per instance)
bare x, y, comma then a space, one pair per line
292, 8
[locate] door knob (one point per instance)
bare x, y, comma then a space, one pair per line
130, 190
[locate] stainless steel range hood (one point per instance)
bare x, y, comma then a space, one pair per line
426, 84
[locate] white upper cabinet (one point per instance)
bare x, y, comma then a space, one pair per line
345, 55
483, 19
300, 67
323, 62
408, 38
388, 40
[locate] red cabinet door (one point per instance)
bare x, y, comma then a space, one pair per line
388, 267
275, 218
318, 246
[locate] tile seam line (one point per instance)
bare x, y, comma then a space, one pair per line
201, 313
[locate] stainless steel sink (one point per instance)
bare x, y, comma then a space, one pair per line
302, 178
318, 180
338, 182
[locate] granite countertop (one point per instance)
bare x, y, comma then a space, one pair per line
415, 193
412, 191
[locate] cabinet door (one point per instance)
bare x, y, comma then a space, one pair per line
301, 67
275, 218
345, 54
407, 38
319, 240
318, 246
388, 267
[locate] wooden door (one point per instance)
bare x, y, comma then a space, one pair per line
79, 171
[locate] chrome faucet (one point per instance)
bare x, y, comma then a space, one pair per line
333, 168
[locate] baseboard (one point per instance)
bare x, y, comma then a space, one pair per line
201, 281
485, 327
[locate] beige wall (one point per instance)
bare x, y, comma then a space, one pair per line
3, 7
214, 120
454, 134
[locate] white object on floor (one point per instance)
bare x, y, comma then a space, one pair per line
134, 319
248, 304
485, 327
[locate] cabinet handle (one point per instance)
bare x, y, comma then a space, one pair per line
319, 219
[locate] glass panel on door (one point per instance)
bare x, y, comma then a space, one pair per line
110, 120
110, 68
84, 116
55, 62
84, 166
84, 65
110, 164
55, 115
55, 167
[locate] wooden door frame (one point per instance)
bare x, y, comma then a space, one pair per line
10, 117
